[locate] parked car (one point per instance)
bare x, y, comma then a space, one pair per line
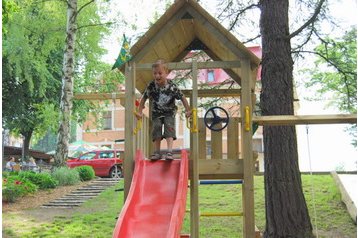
106, 163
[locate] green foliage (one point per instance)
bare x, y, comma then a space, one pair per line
42, 180
13, 187
335, 74
32, 61
86, 172
66, 176
340, 75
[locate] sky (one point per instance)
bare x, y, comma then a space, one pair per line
324, 147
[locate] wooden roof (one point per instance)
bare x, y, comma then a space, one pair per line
186, 26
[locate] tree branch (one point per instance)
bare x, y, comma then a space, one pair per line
327, 60
232, 25
85, 5
90, 25
310, 21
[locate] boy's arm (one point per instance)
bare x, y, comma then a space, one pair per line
139, 113
187, 107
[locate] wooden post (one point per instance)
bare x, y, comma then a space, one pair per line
129, 119
246, 133
194, 157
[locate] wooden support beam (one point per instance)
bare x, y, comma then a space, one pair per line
213, 92
280, 120
98, 96
220, 169
201, 65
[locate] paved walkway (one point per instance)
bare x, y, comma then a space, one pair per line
79, 196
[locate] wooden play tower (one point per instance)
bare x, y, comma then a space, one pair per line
185, 27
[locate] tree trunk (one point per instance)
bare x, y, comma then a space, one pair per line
67, 85
286, 209
26, 143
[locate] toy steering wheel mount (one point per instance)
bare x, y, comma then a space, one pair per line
216, 118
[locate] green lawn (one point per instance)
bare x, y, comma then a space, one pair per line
96, 218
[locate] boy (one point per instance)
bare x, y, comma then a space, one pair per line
163, 93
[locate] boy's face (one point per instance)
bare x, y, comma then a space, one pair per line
160, 75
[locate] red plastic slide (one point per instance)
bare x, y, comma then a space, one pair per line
155, 205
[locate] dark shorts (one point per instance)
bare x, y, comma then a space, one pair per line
169, 128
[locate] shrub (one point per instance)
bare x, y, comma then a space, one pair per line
86, 172
66, 176
14, 187
42, 180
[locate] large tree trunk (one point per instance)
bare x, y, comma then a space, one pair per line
67, 85
286, 209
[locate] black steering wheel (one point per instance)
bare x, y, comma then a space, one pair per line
216, 118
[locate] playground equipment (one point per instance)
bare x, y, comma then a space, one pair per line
214, 121
155, 205
184, 27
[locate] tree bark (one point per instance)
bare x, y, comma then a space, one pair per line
26, 143
67, 85
286, 209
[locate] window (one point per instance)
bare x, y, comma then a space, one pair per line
107, 120
88, 156
211, 76
106, 154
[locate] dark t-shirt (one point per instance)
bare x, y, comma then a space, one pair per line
163, 98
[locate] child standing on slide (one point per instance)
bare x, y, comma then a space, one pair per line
163, 93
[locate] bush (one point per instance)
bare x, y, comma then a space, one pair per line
86, 172
42, 180
66, 176
14, 187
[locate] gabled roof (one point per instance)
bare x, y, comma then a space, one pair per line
183, 27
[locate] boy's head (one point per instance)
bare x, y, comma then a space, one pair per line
160, 72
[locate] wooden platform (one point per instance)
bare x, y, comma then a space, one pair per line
347, 184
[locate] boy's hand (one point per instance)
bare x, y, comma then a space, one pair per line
138, 115
188, 114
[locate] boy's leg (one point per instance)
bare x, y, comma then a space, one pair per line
157, 137
169, 135
157, 145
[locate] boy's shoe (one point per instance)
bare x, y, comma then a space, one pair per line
155, 156
169, 156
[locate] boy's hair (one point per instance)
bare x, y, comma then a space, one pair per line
160, 62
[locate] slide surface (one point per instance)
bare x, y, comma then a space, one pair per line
156, 202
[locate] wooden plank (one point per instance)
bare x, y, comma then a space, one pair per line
201, 65
351, 207
220, 169
213, 92
129, 119
202, 139
194, 157
233, 139
217, 143
305, 119
246, 140
159, 34
98, 96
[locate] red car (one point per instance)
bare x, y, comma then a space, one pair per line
106, 163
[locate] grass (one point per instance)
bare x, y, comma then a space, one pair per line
96, 218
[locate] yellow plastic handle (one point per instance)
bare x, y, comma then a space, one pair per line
195, 120
247, 118
138, 127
